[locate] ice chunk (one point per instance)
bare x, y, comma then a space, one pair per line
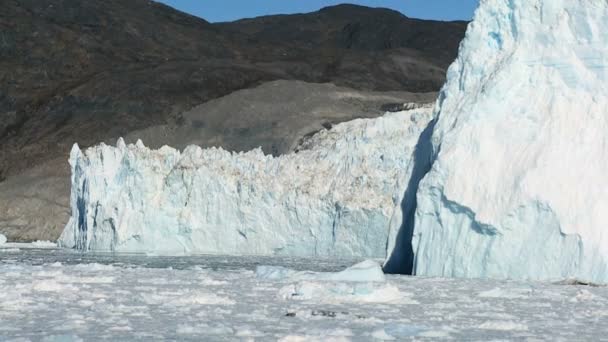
274, 272
518, 185
363, 282
366, 271
44, 244
503, 326
335, 197
324, 291
2, 239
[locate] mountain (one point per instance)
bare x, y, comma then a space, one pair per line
91, 71
517, 188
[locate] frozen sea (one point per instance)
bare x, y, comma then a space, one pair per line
48, 294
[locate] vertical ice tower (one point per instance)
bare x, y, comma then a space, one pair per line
518, 186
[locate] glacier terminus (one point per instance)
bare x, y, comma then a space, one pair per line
505, 178
335, 197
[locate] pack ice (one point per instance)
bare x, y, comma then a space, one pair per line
519, 181
335, 197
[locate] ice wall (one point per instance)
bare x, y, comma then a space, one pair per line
335, 197
519, 182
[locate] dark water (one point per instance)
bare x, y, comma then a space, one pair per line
36, 257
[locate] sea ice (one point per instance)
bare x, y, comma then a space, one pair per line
143, 299
44, 244
363, 282
340, 292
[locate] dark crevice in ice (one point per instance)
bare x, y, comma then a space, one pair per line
401, 261
82, 220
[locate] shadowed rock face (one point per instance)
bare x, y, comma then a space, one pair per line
90, 71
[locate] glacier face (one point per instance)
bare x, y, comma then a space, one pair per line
519, 182
335, 197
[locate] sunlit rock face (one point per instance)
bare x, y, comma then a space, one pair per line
335, 197
518, 186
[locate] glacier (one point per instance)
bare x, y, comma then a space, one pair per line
505, 178
518, 186
335, 197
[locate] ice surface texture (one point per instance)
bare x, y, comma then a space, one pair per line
518, 186
335, 197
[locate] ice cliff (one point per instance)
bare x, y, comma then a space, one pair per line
519, 181
335, 197
509, 179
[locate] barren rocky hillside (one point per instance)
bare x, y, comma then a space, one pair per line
90, 71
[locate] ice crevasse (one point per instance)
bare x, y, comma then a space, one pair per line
518, 186
334, 198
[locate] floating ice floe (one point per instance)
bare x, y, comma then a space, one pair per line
363, 282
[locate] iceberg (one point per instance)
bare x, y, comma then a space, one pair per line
365, 271
364, 282
518, 186
335, 197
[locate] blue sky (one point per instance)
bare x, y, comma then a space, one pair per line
227, 10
